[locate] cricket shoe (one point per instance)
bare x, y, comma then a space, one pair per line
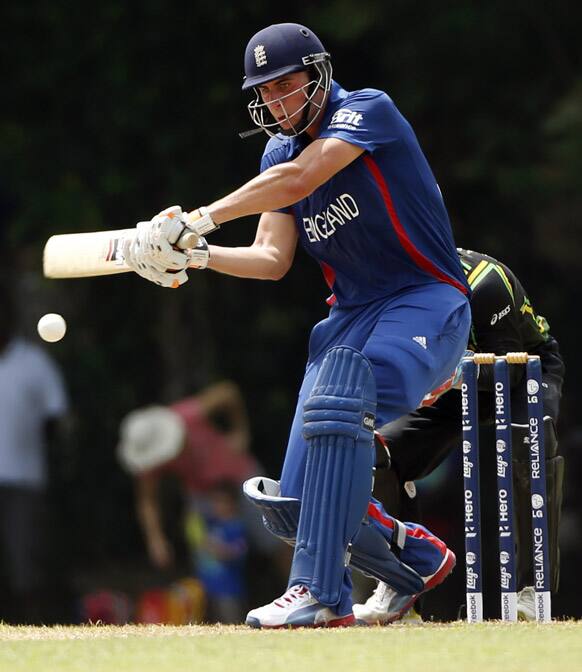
526, 606
385, 605
297, 608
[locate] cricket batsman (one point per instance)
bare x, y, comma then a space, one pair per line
342, 174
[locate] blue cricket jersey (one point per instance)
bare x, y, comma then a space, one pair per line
379, 225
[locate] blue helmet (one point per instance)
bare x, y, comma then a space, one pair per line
279, 50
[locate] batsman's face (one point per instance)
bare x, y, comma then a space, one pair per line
286, 98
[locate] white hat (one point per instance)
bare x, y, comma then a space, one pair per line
149, 437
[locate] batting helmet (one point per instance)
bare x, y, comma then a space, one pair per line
276, 51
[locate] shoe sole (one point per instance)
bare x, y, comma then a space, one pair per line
343, 622
445, 568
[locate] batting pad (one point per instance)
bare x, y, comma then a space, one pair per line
280, 514
370, 550
338, 419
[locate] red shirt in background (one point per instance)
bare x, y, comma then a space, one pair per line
207, 457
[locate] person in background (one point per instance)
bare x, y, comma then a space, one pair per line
203, 442
33, 402
219, 538
503, 320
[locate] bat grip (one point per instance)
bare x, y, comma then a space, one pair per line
188, 240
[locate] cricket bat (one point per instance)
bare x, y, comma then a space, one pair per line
84, 255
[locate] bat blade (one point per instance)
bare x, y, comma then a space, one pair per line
85, 255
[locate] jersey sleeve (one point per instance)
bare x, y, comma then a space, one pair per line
368, 119
496, 326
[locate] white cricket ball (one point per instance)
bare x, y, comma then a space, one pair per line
51, 327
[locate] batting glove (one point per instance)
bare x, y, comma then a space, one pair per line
200, 255
166, 267
200, 222
157, 238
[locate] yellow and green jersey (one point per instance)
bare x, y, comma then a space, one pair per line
504, 319
503, 315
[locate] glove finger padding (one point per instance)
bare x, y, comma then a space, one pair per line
163, 278
172, 280
148, 268
167, 258
170, 224
137, 258
152, 246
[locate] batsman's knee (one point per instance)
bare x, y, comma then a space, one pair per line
343, 399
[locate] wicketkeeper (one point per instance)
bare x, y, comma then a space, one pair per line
504, 320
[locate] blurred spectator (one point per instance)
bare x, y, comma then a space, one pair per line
32, 400
218, 534
203, 441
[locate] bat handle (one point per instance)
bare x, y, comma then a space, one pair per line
188, 240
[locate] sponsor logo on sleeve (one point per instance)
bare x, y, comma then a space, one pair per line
346, 119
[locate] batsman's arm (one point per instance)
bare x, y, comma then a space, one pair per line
268, 258
286, 183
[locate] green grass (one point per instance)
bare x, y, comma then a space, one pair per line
419, 648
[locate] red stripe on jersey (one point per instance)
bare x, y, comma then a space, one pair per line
415, 254
417, 533
329, 275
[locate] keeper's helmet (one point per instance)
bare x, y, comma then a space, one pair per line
279, 50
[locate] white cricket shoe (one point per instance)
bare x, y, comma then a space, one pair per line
385, 605
297, 608
526, 607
